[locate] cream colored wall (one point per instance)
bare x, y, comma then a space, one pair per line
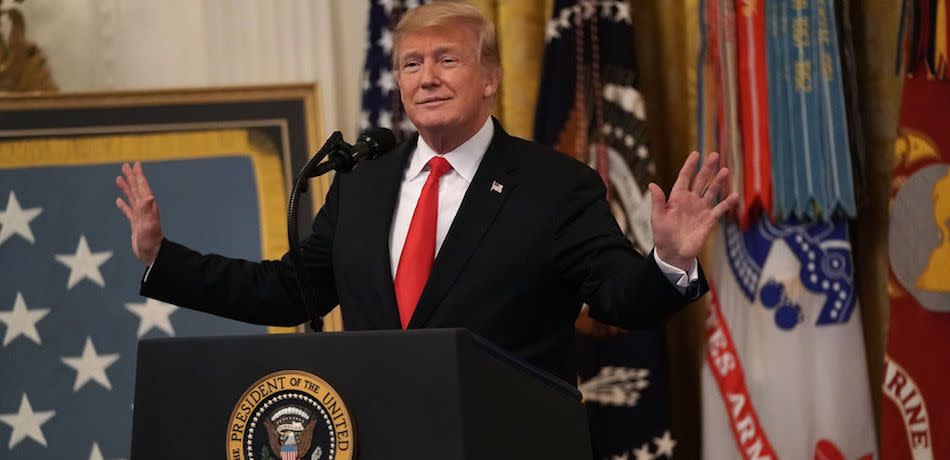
96, 45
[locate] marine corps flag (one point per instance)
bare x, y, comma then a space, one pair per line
590, 107
915, 411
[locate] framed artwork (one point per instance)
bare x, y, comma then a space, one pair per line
220, 162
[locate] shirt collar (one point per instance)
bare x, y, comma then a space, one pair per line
464, 159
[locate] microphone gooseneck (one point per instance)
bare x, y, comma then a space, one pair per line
342, 158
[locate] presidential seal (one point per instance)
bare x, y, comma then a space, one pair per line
290, 415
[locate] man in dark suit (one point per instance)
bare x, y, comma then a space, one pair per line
461, 226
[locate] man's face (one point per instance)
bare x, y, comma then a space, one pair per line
444, 88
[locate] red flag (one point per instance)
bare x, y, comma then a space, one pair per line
916, 407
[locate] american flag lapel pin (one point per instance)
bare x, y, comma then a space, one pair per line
496, 187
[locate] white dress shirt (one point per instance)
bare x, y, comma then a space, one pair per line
452, 187
464, 161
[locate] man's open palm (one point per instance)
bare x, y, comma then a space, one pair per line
682, 223
140, 208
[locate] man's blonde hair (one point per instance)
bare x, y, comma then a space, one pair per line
450, 13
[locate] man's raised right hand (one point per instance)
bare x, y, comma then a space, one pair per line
141, 210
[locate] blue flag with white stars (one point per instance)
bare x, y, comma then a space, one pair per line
70, 312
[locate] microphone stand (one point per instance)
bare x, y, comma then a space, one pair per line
341, 159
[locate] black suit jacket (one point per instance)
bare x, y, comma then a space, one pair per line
515, 266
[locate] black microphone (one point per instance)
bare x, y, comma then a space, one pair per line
369, 145
373, 143
343, 157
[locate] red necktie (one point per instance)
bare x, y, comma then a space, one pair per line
415, 262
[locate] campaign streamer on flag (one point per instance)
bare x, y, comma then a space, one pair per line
924, 39
772, 102
70, 312
730, 129
834, 114
915, 411
785, 374
750, 38
809, 166
812, 167
381, 106
590, 107
780, 142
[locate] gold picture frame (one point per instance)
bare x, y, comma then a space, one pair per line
275, 126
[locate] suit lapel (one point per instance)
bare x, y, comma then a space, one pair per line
385, 182
494, 181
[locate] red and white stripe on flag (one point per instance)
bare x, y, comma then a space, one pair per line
785, 373
722, 360
288, 453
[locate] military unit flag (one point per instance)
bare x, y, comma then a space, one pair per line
785, 373
915, 408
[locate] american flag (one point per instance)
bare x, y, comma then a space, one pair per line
590, 106
70, 313
380, 104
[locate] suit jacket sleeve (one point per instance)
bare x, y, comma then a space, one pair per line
263, 292
621, 286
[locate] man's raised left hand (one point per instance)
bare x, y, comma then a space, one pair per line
682, 223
